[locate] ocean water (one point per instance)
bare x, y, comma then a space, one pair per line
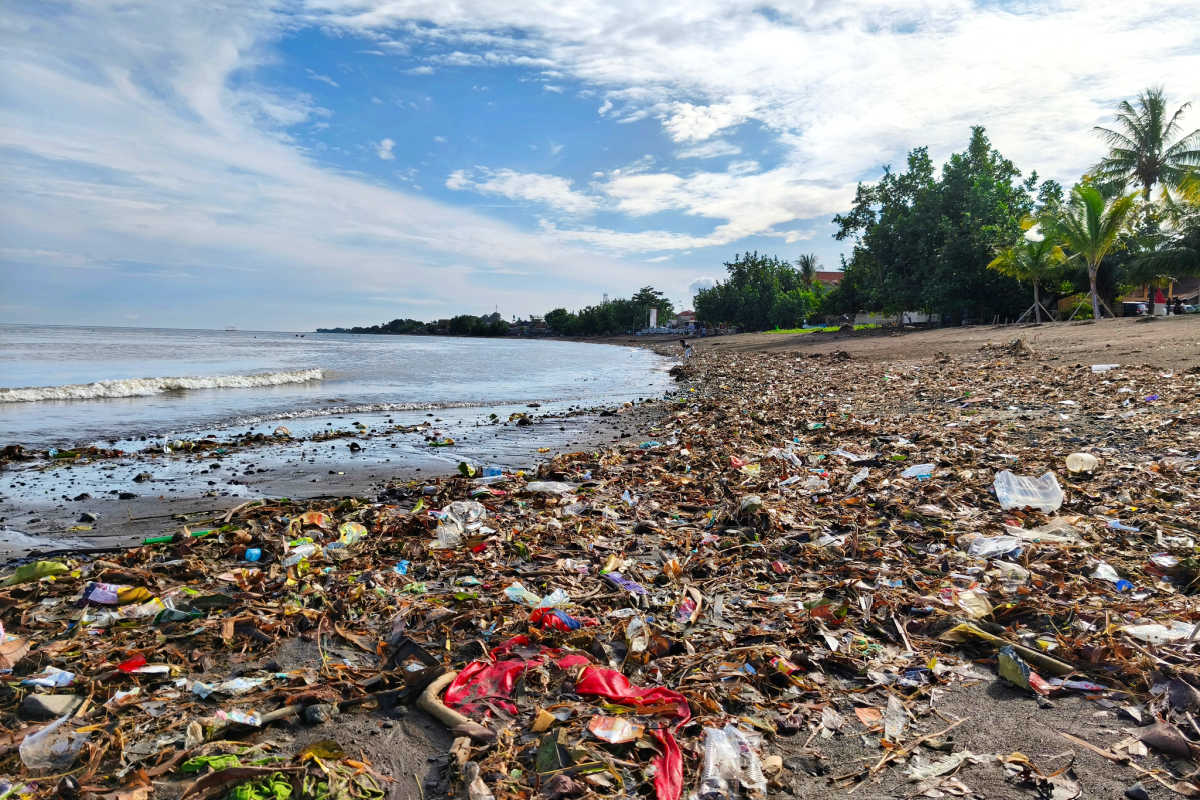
62, 386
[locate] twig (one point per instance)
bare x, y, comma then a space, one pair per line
908, 748
430, 703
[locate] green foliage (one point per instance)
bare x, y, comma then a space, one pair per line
1090, 226
1141, 150
761, 292
922, 242
622, 315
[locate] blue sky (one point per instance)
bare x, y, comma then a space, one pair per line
322, 162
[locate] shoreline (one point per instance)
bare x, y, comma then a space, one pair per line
265, 470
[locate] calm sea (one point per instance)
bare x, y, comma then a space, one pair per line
70, 385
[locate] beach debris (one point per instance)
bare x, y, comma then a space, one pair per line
798, 565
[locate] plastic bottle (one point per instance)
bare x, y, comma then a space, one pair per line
299, 553
720, 759
253, 554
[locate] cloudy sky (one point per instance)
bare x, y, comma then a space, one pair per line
320, 162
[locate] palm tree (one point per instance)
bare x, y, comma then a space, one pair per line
1089, 226
1030, 260
1140, 147
807, 265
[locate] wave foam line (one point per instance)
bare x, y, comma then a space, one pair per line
145, 387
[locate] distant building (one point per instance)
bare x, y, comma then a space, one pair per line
1186, 289
829, 279
684, 320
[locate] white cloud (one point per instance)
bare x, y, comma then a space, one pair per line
384, 149
549, 87
440, 139
700, 283
422, 70
715, 148
217, 188
685, 122
839, 88
548, 190
316, 76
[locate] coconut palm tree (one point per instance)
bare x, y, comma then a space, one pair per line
807, 265
1033, 260
1089, 226
1141, 150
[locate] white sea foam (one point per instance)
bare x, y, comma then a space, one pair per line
145, 387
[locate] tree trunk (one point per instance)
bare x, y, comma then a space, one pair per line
1150, 287
1037, 304
1092, 271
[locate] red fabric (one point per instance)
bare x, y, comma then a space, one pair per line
1158, 297
608, 683
481, 680
494, 680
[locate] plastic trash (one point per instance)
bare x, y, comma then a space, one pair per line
921, 472
614, 730
457, 521
1019, 491
253, 554
50, 678
301, 552
1105, 572
350, 533
730, 761
549, 487
1104, 367
1154, 633
52, 749
35, 571
858, 478
1078, 463
1014, 670
517, 593
994, 546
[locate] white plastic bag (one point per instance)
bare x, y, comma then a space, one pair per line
1019, 491
54, 748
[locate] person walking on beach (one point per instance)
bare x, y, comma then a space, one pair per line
687, 349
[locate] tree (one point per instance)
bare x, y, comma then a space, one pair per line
922, 242
807, 265
761, 292
1089, 225
1165, 245
559, 320
1033, 260
1141, 150
647, 298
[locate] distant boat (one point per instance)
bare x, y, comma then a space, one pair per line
230, 328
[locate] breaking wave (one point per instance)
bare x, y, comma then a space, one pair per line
145, 387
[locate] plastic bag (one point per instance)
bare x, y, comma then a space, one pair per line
1019, 491
549, 487
994, 546
458, 520
54, 748
730, 760
921, 472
